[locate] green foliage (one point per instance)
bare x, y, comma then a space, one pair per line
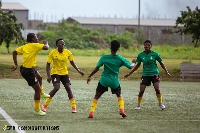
48, 35
10, 28
139, 36
190, 20
80, 38
126, 39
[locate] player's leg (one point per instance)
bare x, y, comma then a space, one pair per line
156, 82
56, 87
139, 99
66, 82
29, 75
145, 81
39, 77
99, 91
71, 97
120, 100
38, 111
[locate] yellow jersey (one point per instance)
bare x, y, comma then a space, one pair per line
29, 52
59, 61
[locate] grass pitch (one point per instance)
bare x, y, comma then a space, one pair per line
180, 116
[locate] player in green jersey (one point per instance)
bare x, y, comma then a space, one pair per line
109, 77
150, 72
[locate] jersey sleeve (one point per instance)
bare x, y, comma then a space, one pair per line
39, 46
158, 57
19, 50
125, 62
70, 57
138, 60
100, 62
49, 57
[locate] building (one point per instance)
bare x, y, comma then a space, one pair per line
20, 11
159, 31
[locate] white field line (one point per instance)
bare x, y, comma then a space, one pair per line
10, 120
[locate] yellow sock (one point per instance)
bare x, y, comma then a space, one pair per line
37, 104
73, 102
93, 105
159, 96
139, 100
47, 101
121, 102
41, 89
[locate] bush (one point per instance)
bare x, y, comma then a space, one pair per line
77, 37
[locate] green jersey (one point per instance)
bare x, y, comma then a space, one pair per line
150, 67
112, 64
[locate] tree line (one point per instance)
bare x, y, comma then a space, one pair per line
78, 37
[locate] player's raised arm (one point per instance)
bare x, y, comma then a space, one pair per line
46, 45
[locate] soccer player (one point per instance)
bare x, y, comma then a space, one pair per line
109, 77
59, 72
150, 72
27, 70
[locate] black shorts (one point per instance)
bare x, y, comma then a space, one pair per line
146, 80
103, 89
29, 74
64, 79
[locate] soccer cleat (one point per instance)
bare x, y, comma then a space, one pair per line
39, 112
162, 106
43, 95
74, 110
122, 113
137, 107
91, 115
44, 108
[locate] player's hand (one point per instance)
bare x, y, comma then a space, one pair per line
127, 75
81, 73
49, 79
88, 80
14, 68
45, 42
133, 61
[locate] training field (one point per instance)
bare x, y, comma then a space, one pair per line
182, 113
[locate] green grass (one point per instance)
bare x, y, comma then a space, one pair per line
87, 64
180, 116
187, 52
86, 60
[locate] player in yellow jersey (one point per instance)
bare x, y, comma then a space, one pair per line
59, 72
27, 70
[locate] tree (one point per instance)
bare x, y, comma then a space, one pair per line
10, 29
191, 24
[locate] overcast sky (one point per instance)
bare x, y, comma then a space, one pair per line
54, 10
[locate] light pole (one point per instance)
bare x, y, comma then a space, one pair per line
139, 39
139, 16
